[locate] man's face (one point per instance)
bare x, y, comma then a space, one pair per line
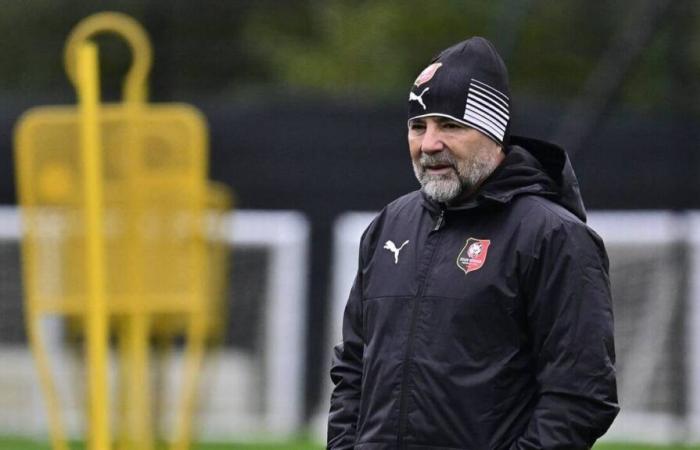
450, 158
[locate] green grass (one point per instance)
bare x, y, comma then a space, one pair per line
644, 447
26, 444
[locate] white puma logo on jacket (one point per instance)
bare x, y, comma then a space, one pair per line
392, 248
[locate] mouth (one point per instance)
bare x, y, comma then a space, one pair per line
438, 169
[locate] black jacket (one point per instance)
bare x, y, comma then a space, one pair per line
492, 329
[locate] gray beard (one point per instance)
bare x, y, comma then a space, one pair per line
464, 177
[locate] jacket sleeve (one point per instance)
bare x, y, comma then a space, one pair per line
346, 373
570, 324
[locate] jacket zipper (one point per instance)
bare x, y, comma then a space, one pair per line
403, 393
440, 220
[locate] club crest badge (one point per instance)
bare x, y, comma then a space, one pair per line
427, 74
473, 255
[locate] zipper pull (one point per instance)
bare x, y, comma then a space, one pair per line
440, 220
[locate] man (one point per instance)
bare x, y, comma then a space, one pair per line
480, 317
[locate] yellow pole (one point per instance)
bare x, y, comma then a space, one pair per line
136, 351
194, 356
96, 303
56, 432
139, 394
121, 441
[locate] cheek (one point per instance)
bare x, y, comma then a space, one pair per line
468, 150
414, 148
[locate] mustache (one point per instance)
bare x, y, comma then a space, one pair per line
438, 159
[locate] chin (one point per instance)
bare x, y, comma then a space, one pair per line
443, 190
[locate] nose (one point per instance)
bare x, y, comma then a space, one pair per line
432, 140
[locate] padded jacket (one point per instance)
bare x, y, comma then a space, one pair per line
485, 325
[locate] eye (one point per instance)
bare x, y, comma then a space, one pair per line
416, 126
452, 125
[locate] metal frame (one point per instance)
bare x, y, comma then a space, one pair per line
643, 228
693, 360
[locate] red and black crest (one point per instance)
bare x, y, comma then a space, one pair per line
427, 74
473, 255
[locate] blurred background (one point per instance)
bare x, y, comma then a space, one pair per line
306, 100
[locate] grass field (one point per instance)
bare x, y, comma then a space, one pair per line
24, 444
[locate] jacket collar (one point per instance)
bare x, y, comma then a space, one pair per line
531, 167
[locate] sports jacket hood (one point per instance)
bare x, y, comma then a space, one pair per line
531, 166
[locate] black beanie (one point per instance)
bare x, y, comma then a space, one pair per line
468, 83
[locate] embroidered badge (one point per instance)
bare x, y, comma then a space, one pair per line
392, 248
473, 255
427, 74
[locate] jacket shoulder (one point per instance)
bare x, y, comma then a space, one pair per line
393, 214
548, 221
542, 211
405, 203
399, 209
